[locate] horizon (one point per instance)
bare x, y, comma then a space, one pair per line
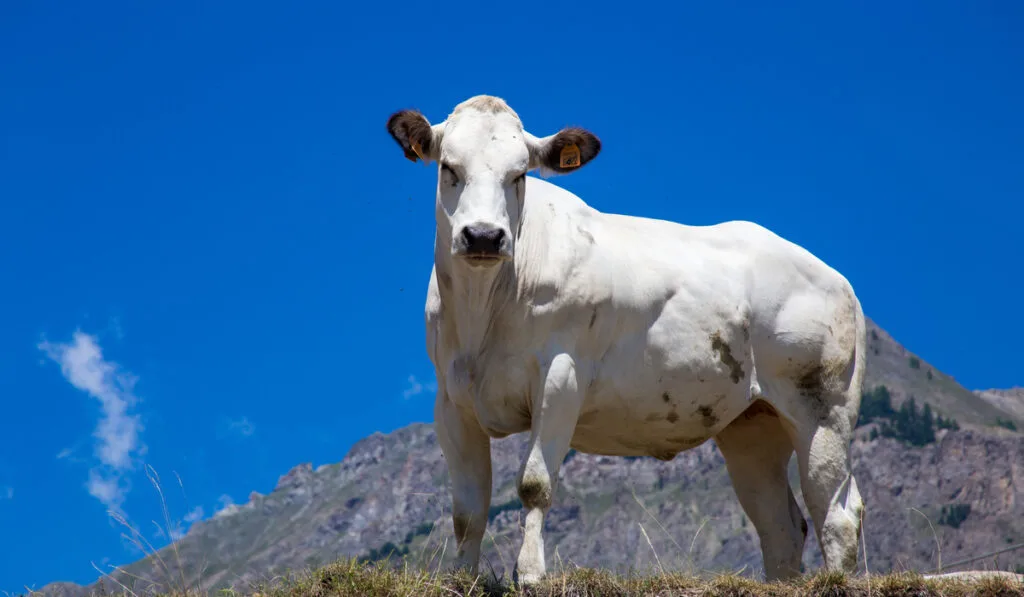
192, 200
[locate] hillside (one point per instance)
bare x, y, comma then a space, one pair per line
1010, 401
389, 496
906, 374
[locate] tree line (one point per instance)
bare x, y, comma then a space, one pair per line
908, 424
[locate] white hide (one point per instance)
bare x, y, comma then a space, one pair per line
630, 336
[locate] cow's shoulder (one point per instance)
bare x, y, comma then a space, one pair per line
554, 247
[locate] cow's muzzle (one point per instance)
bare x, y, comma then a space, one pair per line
481, 244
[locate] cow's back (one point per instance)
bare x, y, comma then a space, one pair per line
640, 259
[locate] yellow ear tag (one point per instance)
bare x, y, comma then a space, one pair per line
418, 151
570, 156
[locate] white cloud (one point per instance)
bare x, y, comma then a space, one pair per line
416, 387
227, 506
195, 515
243, 426
72, 454
117, 432
6, 493
177, 533
180, 528
109, 489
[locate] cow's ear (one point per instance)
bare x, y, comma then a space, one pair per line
567, 150
413, 133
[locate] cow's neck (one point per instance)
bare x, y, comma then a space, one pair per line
475, 299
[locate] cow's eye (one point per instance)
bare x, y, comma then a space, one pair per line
448, 175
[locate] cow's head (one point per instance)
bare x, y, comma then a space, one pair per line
483, 154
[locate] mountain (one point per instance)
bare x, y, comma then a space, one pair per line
906, 374
959, 485
1010, 401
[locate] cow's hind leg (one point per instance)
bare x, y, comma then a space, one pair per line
820, 406
467, 450
824, 413
817, 368
556, 408
757, 450
829, 487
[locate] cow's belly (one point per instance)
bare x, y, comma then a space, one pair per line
667, 390
660, 424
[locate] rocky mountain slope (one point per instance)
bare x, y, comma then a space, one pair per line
906, 374
1009, 401
962, 488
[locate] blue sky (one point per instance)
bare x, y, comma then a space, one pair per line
192, 200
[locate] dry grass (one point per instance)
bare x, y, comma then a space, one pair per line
349, 578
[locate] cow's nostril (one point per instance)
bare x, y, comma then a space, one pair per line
483, 239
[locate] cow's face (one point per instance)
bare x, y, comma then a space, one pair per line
483, 154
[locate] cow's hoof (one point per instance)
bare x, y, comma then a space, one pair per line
525, 579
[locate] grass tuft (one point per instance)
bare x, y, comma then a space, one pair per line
830, 584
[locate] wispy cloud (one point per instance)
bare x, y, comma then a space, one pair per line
117, 432
193, 516
72, 454
242, 426
416, 387
110, 488
196, 514
180, 528
227, 506
6, 493
176, 533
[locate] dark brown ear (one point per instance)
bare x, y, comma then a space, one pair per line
412, 132
567, 150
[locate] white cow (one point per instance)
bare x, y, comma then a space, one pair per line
628, 336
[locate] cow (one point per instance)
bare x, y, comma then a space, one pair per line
627, 336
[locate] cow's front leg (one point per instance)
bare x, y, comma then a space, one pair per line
467, 449
555, 410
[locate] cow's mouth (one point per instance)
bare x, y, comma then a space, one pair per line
484, 258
